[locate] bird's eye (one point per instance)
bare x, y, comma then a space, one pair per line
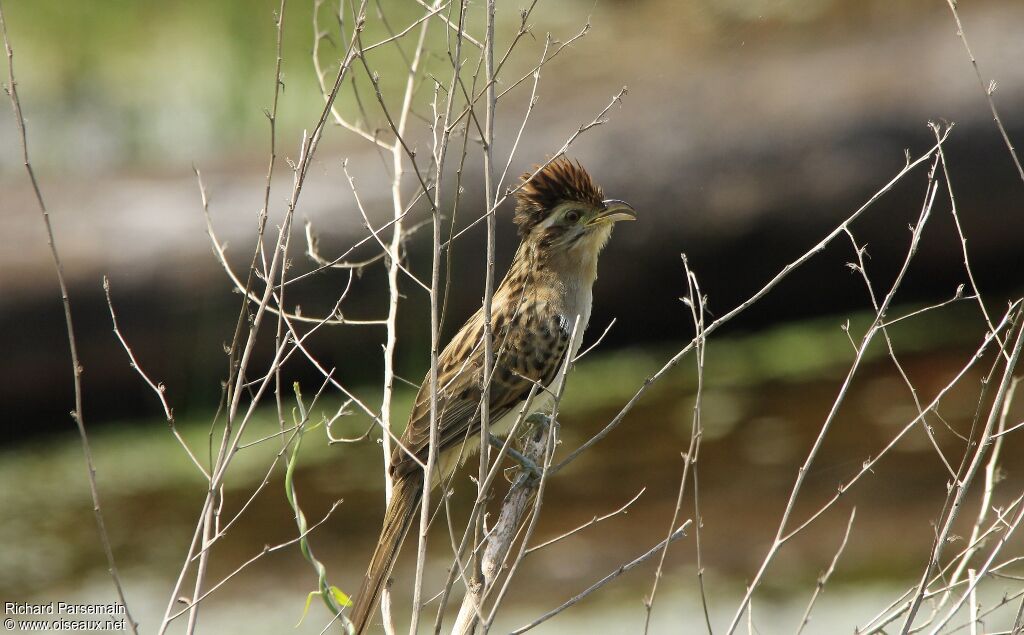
572, 216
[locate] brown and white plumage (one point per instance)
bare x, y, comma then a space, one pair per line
544, 298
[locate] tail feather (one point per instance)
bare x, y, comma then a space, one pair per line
405, 500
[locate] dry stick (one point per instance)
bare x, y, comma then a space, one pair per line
970, 447
340, 260
261, 223
348, 394
988, 90
676, 535
671, 363
974, 602
524, 17
490, 103
77, 415
394, 37
386, 249
590, 523
226, 452
294, 430
399, 127
313, 251
496, 556
963, 485
263, 552
983, 571
398, 151
695, 302
159, 389
307, 151
228, 446
998, 526
940, 576
991, 473
266, 476
1006, 599
823, 580
1013, 428
440, 148
699, 520
526, 117
459, 568
291, 351
1018, 622
861, 267
471, 102
500, 538
960, 233
869, 465
469, 38
321, 75
698, 316
777, 543
984, 614
471, 608
958, 296
221, 256
271, 162
504, 534
258, 249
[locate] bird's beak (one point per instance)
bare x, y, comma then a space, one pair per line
614, 211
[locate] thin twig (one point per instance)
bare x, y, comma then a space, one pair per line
159, 389
676, 535
76, 367
768, 287
823, 580
988, 90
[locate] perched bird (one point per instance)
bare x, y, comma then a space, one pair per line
564, 223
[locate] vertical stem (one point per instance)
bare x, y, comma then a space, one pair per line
961, 488
440, 152
489, 197
193, 612
394, 257
973, 608
77, 415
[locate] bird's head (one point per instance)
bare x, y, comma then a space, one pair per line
561, 210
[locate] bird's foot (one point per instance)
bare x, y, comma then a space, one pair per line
538, 423
527, 464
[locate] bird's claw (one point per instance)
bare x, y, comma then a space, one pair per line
525, 463
539, 422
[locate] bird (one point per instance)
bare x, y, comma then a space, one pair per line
538, 314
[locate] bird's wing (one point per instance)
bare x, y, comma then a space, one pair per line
531, 348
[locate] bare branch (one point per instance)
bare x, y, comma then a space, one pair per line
76, 367
676, 535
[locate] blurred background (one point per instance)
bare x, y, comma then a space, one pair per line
750, 129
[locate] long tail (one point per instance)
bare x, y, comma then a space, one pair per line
405, 500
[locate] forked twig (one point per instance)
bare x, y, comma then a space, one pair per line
823, 579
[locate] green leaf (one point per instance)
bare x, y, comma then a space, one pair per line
309, 599
339, 595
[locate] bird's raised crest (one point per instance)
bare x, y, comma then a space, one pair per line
559, 181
